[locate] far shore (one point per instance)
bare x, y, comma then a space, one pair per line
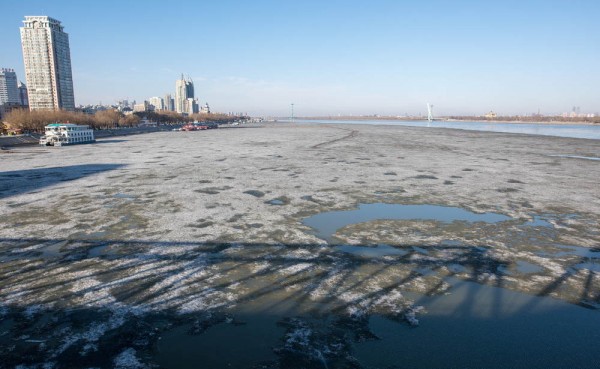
474, 119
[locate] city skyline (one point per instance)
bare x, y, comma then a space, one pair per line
336, 58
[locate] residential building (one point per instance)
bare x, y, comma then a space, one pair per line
9, 91
169, 103
184, 90
157, 102
47, 59
144, 106
191, 106
23, 99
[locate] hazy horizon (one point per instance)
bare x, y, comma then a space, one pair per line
334, 58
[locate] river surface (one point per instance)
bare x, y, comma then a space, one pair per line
559, 130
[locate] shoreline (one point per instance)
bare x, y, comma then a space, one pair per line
446, 120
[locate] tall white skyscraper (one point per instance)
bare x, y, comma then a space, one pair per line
184, 90
47, 60
9, 91
169, 103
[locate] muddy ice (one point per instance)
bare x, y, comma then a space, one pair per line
118, 254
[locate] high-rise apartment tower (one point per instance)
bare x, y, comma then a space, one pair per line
47, 60
184, 90
9, 91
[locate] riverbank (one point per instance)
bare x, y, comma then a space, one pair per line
7, 142
130, 249
556, 120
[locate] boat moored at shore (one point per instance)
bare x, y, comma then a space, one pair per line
60, 134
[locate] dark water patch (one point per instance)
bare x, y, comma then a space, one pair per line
99, 250
221, 345
204, 181
468, 170
538, 221
591, 265
255, 193
390, 174
515, 181
521, 267
235, 218
424, 176
448, 182
372, 252
474, 326
282, 200
125, 196
326, 224
583, 252
213, 190
200, 224
507, 190
527, 267
455, 177
308, 198
420, 250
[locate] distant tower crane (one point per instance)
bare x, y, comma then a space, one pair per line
292, 115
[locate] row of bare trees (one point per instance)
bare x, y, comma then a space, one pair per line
35, 121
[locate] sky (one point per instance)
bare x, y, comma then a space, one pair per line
329, 57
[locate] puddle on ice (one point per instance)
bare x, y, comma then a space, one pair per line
526, 267
578, 251
125, 196
478, 326
538, 222
371, 252
326, 224
591, 265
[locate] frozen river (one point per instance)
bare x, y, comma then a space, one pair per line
302, 246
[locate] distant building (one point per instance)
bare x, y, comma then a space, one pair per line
184, 90
23, 97
169, 103
205, 109
9, 90
491, 115
191, 106
158, 103
47, 59
144, 106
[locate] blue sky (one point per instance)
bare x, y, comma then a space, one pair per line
330, 57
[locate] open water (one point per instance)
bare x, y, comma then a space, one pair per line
559, 130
